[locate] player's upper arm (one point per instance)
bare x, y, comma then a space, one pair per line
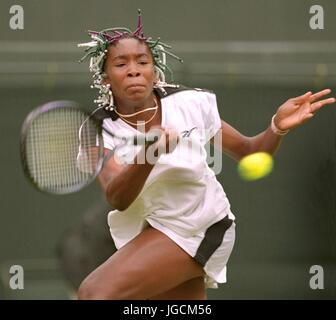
231, 141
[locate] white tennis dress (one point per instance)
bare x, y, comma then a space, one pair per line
181, 197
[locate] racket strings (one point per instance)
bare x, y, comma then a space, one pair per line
54, 140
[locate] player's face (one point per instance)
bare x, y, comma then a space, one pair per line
130, 70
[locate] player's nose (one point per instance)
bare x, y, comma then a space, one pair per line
133, 70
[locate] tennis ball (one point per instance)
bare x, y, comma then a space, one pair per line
255, 166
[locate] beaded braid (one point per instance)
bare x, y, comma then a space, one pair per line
96, 50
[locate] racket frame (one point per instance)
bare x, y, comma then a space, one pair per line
33, 115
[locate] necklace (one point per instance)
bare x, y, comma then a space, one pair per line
123, 116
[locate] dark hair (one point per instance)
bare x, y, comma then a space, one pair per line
96, 49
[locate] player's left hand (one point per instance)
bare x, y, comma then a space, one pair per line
297, 111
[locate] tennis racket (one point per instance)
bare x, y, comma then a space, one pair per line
62, 148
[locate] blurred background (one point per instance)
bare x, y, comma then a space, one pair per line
255, 55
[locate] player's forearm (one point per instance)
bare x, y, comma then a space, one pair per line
123, 189
266, 141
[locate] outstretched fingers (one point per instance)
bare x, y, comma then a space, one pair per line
311, 97
316, 96
302, 98
319, 104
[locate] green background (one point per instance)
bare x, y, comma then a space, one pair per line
255, 55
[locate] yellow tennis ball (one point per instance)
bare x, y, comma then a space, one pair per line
255, 166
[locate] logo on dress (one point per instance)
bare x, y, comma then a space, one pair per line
187, 133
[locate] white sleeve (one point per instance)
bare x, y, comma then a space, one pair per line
211, 118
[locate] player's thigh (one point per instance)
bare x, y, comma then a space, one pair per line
148, 265
193, 289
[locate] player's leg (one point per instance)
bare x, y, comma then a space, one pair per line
147, 266
193, 289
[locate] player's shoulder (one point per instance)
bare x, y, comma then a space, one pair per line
165, 90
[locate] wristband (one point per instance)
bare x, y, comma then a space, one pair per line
276, 130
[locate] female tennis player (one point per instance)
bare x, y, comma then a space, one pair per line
172, 222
